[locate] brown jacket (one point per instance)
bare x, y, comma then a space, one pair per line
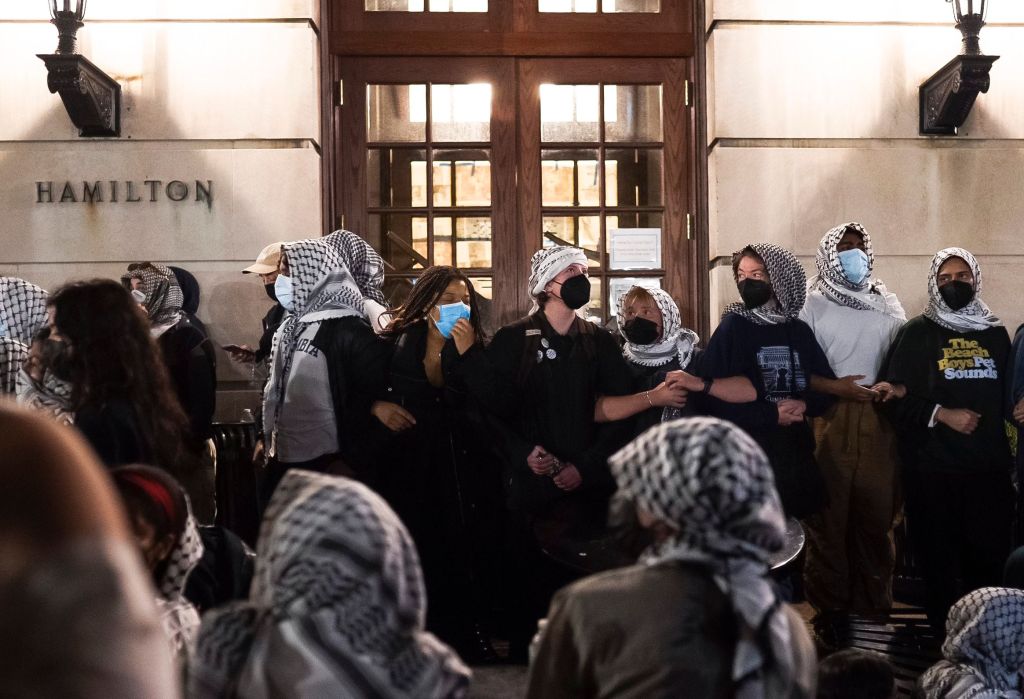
646, 632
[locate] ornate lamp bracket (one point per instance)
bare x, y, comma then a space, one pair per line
948, 96
91, 97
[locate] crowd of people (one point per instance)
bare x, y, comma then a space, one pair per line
414, 473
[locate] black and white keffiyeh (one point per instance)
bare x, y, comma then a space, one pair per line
51, 395
366, 266
547, 263
322, 288
164, 297
12, 358
984, 648
832, 282
336, 608
22, 309
975, 315
711, 482
676, 341
789, 286
180, 618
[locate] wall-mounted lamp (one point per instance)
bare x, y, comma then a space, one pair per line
948, 96
91, 97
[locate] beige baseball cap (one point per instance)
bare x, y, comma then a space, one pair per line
266, 261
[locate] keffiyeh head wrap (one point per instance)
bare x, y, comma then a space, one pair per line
832, 282
336, 608
676, 341
366, 266
12, 357
22, 309
547, 263
51, 395
323, 288
984, 648
789, 286
975, 315
180, 619
713, 484
164, 297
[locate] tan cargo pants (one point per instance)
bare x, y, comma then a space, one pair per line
850, 547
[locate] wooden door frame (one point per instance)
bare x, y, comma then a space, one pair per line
508, 33
350, 169
678, 253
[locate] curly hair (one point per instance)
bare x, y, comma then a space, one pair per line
429, 287
113, 357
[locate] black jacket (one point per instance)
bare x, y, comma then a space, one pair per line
357, 369
189, 357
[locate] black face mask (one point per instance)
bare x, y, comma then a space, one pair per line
576, 292
56, 360
269, 288
640, 331
957, 294
754, 292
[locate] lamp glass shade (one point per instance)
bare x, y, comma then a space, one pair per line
75, 7
964, 8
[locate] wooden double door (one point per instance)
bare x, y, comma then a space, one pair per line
478, 162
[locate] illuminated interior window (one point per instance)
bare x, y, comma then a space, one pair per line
592, 5
421, 6
451, 104
577, 103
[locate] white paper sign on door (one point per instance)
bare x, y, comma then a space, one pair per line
634, 248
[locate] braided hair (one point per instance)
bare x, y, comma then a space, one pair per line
424, 296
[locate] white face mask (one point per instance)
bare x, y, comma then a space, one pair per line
284, 290
138, 296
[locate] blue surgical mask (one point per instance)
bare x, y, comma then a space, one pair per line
450, 313
855, 265
285, 292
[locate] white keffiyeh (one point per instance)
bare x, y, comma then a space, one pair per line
831, 281
972, 317
12, 357
336, 609
714, 485
676, 341
22, 309
789, 286
546, 264
180, 619
984, 648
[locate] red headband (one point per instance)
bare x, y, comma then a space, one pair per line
156, 491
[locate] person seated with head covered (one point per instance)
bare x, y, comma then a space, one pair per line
336, 608
697, 616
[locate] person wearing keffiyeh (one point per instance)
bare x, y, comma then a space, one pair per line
697, 616
664, 358
546, 373
168, 538
187, 352
22, 309
951, 432
326, 367
22, 315
983, 654
850, 551
336, 608
763, 339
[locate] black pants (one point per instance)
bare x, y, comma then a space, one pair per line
961, 529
